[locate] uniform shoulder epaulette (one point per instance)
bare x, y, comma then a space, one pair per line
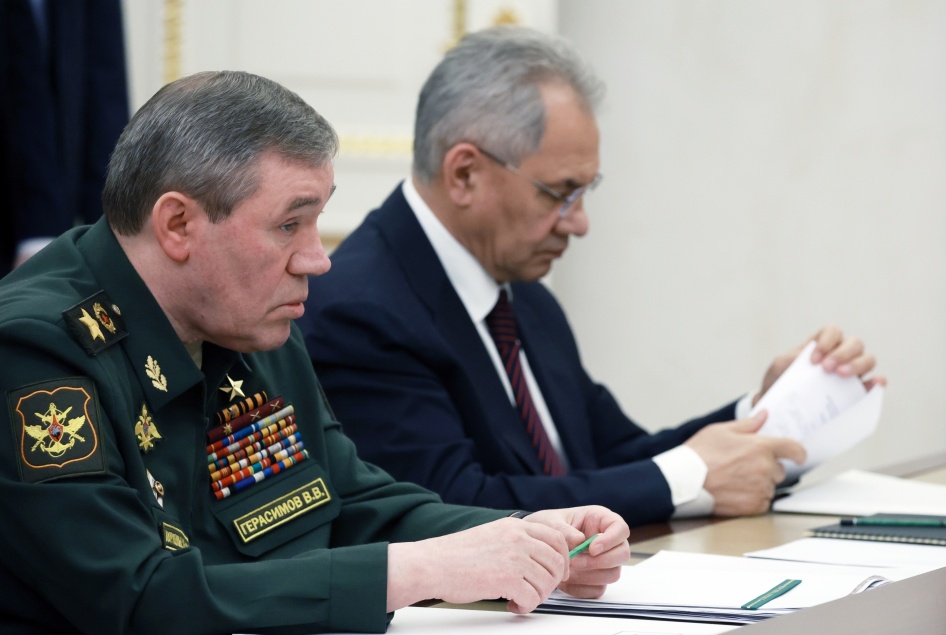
96, 323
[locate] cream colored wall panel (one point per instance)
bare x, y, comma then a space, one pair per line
770, 166
144, 44
360, 63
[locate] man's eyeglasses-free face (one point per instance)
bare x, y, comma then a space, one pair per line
566, 201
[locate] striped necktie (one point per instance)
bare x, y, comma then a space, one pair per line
501, 323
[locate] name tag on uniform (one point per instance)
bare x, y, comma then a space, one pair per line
281, 510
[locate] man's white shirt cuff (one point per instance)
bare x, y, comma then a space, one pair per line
744, 405
685, 473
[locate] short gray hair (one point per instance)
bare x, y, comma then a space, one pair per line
203, 136
486, 90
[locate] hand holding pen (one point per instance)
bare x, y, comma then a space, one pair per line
593, 566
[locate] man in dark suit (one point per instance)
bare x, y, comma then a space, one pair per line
441, 380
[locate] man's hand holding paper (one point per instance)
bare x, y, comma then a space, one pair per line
814, 404
743, 468
844, 356
821, 399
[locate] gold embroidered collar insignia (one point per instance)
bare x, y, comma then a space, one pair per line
153, 371
145, 430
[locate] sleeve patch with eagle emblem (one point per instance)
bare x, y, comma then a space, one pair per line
55, 428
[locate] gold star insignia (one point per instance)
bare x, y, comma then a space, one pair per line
227, 429
90, 323
235, 388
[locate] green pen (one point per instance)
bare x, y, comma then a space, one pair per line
778, 590
577, 550
894, 522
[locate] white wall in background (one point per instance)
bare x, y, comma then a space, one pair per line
770, 166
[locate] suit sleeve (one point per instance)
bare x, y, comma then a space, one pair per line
412, 410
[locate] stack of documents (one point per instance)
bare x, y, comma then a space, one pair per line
415, 620
437, 621
710, 588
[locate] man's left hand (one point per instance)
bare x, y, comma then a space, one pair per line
591, 571
836, 354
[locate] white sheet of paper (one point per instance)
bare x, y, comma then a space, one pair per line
860, 493
828, 414
865, 553
714, 581
436, 621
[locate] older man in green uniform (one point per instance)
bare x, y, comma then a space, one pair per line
171, 464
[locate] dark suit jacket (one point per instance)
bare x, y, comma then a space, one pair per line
64, 105
413, 385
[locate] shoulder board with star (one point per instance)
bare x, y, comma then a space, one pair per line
96, 323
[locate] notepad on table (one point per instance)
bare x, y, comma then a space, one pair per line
909, 528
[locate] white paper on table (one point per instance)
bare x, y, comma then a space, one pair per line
860, 493
687, 561
435, 621
708, 586
826, 413
867, 553
461, 621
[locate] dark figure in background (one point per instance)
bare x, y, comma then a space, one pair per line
64, 102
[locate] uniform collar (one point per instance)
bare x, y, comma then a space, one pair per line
160, 361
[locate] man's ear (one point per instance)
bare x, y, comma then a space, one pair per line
173, 221
462, 172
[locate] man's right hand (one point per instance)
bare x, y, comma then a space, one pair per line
743, 467
507, 558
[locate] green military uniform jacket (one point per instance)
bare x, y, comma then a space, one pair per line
110, 522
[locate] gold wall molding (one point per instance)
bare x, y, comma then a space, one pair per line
459, 21
376, 146
173, 12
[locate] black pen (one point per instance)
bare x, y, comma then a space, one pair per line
895, 522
